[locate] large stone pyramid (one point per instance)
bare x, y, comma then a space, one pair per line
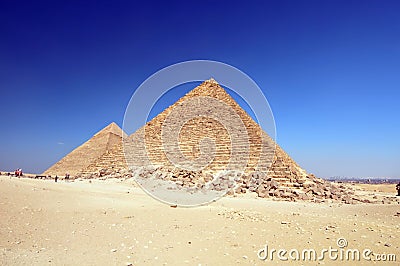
147, 147
90, 151
268, 170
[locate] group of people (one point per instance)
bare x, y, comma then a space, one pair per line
18, 172
66, 177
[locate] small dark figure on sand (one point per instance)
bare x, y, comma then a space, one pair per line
56, 178
398, 189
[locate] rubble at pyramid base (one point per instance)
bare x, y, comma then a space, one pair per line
311, 189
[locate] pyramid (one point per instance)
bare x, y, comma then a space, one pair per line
266, 168
145, 145
80, 158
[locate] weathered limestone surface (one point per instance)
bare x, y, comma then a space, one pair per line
147, 145
88, 152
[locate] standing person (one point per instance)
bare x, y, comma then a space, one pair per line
398, 189
56, 178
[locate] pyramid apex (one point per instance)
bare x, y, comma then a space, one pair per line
112, 128
112, 125
212, 80
209, 87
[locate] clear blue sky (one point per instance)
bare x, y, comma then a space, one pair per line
330, 71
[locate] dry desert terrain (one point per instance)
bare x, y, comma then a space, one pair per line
113, 222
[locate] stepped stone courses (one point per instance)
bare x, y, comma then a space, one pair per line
261, 148
192, 132
269, 171
88, 152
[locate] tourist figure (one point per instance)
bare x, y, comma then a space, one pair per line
18, 172
67, 176
398, 189
56, 178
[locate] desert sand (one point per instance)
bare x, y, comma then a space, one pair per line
113, 222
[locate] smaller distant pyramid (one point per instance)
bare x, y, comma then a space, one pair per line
101, 143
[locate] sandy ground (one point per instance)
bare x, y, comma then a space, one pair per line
391, 189
112, 222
